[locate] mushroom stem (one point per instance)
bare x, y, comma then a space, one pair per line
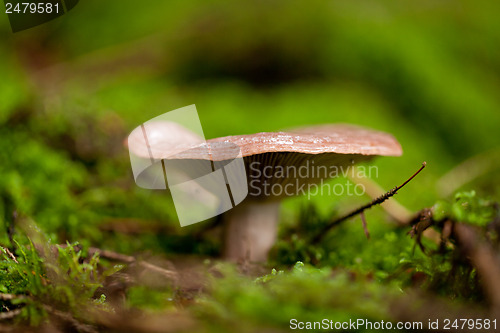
250, 231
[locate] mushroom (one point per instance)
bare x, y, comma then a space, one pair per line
280, 165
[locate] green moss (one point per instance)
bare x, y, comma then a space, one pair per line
59, 279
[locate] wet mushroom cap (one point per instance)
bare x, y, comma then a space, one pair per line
306, 155
337, 138
295, 158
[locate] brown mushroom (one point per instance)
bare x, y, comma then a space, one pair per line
251, 227
273, 161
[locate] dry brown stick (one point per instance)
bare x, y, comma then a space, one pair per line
361, 209
399, 213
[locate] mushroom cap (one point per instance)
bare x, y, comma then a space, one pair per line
334, 138
282, 153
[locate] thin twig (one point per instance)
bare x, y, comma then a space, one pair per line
399, 213
377, 201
